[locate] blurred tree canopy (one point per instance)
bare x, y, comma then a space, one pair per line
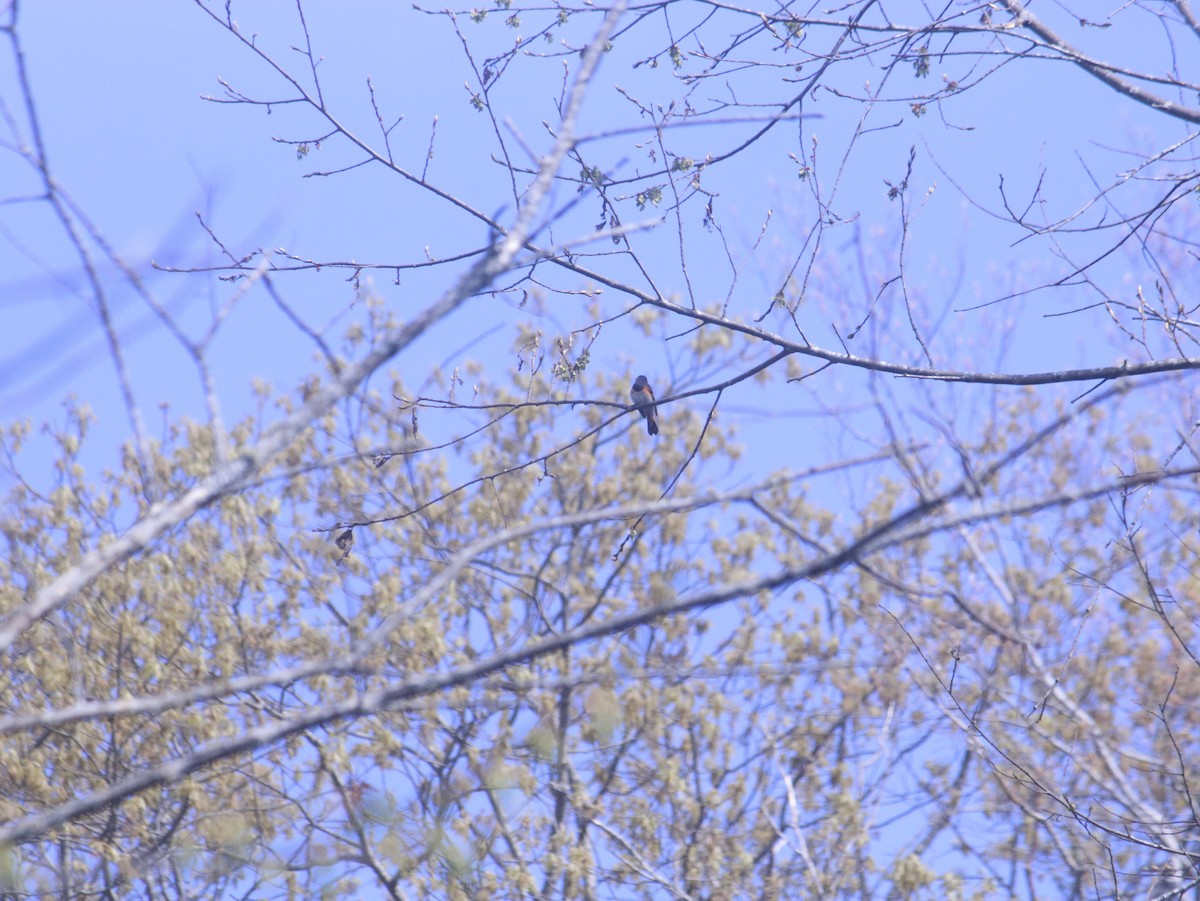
883, 612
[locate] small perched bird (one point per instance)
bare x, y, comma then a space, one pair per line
643, 397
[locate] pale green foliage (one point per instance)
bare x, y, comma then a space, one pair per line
750, 750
